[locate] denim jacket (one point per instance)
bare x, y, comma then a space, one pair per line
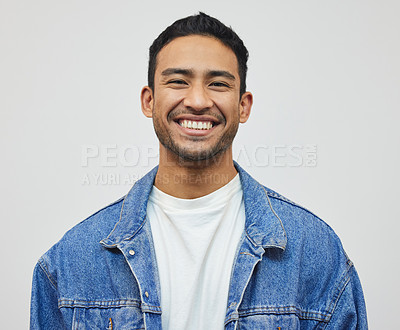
290, 270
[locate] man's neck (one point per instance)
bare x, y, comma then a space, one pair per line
193, 179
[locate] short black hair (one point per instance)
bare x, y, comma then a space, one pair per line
205, 25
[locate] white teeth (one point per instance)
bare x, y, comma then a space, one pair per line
200, 125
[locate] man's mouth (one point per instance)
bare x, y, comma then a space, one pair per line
194, 124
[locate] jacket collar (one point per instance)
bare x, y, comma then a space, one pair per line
263, 226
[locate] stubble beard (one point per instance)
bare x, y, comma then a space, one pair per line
185, 154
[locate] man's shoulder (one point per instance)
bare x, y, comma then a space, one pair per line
84, 238
294, 214
76, 264
305, 231
97, 225
278, 214
313, 261
277, 198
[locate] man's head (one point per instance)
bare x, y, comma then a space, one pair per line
195, 97
204, 25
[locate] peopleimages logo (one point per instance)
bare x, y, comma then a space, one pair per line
108, 163
112, 155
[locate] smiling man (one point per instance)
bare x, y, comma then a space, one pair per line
198, 243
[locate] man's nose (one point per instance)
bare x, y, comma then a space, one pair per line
197, 98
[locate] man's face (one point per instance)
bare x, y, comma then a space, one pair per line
196, 104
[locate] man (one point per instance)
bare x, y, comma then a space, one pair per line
197, 243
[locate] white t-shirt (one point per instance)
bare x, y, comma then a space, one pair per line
195, 243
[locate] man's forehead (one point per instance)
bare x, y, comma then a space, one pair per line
196, 52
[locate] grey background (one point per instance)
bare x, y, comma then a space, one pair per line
323, 73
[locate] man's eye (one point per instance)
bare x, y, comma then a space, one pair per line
219, 84
177, 82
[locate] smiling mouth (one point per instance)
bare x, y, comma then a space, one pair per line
197, 125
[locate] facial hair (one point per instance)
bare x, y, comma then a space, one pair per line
185, 153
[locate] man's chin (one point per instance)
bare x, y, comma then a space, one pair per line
199, 157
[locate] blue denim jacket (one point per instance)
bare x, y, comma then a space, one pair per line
290, 271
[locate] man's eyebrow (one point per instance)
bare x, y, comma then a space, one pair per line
190, 72
220, 73
171, 71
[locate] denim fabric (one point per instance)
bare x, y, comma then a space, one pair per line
290, 271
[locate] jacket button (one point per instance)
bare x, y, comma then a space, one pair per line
146, 294
131, 252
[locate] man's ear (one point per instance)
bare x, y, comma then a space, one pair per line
147, 101
246, 102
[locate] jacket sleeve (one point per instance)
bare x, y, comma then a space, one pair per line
45, 313
350, 312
